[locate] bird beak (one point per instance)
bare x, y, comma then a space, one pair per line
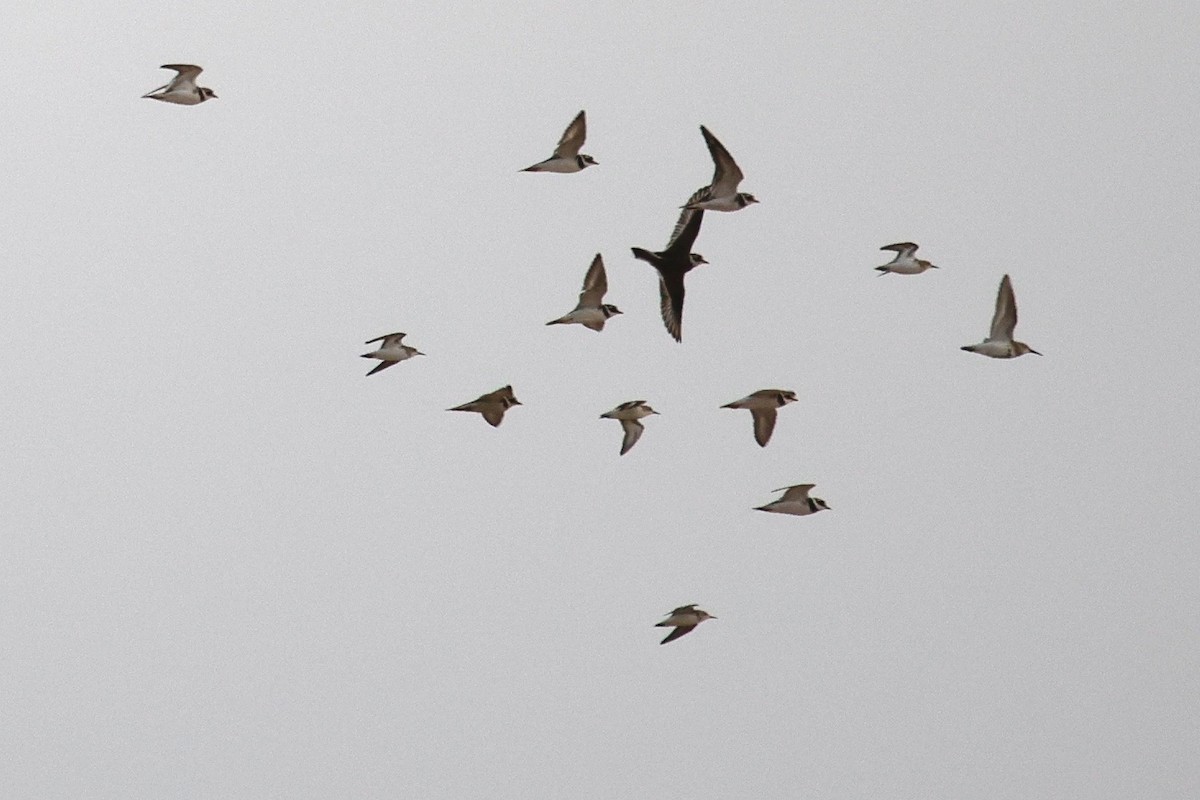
934, 266
418, 353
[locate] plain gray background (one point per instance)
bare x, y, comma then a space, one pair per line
233, 567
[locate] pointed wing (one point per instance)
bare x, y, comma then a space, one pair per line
595, 284
797, 492
388, 339
764, 425
903, 249
187, 74
498, 396
670, 303
688, 609
1004, 321
726, 174
494, 414
382, 365
633, 432
682, 630
572, 138
686, 217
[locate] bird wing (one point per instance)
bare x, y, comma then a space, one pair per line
572, 138
682, 630
388, 339
683, 610
595, 284
764, 424
382, 365
633, 432
686, 218
670, 294
797, 492
187, 74
903, 249
1004, 321
726, 174
494, 414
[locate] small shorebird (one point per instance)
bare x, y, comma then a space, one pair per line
684, 620
722, 193
672, 264
391, 352
905, 262
796, 501
491, 405
591, 312
1000, 343
763, 405
182, 90
629, 415
566, 156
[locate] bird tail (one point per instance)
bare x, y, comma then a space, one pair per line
644, 255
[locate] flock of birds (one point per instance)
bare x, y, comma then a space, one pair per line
672, 264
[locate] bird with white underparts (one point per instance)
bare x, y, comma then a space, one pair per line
999, 342
795, 501
722, 193
591, 311
684, 620
566, 157
905, 262
630, 415
182, 89
391, 352
763, 406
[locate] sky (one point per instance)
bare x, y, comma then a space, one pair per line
231, 566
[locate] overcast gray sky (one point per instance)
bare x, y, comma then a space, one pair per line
231, 566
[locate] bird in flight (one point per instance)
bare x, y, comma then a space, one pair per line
796, 501
591, 312
630, 415
1000, 342
722, 193
391, 352
673, 263
905, 262
763, 405
684, 620
491, 405
567, 157
182, 90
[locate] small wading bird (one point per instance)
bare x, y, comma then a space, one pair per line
763, 405
796, 501
491, 405
591, 312
905, 262
391, 352
722, 193
684, 620
566, 156
182, 90
629, 415
1000, 343
672, 264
